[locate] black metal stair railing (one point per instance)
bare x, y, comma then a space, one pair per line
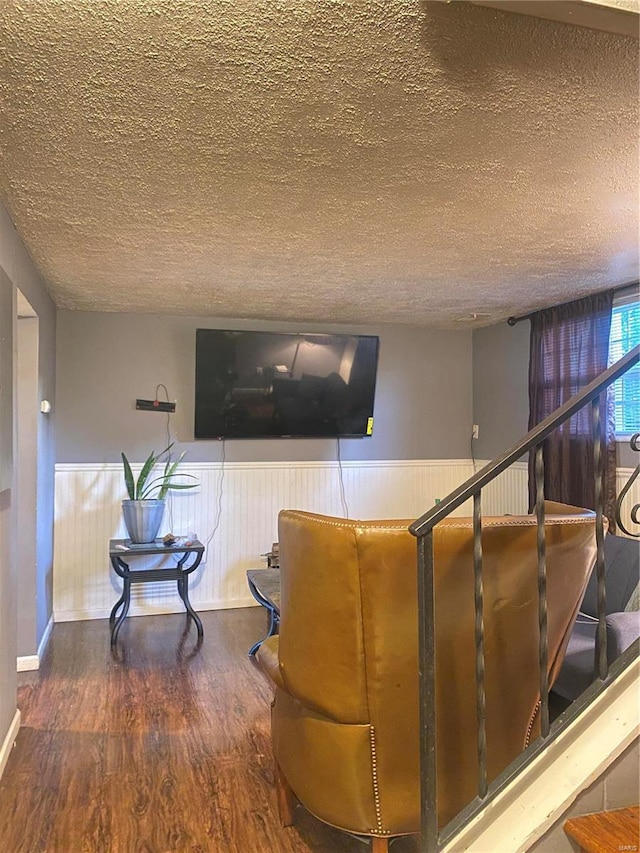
432, 839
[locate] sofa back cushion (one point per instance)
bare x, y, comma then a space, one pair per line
622, 574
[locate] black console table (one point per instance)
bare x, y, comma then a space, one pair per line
121, 550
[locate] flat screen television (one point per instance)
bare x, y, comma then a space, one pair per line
278, 384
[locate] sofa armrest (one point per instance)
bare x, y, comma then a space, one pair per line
622, 630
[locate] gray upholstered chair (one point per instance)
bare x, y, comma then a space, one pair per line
622, 582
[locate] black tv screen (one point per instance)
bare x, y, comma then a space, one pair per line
275, 384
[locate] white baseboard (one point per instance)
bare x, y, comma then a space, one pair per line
10, 739
44, 640
26, 663
157, 610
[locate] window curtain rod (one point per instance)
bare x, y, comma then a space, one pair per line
634, 284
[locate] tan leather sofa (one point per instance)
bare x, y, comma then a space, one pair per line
345, 665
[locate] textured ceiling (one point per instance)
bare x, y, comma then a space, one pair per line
325, 160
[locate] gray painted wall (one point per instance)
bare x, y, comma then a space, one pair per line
21, 273
6, 385
500, 390
500, 387
7, 563
26, 407
106, 361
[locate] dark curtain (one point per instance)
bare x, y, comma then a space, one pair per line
569, 348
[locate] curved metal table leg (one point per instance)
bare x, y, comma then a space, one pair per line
114, 609
274, 614
183, 592
126, 594
274, 621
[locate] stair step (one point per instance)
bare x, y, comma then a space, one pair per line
606, 832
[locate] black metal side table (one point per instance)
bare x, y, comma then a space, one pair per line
122, 549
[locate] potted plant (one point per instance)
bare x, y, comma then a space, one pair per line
144, 509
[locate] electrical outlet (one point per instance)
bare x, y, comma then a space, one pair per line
475, 431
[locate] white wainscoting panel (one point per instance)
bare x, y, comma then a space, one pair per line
234, 511
508, 493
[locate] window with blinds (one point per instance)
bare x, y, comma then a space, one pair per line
625, 334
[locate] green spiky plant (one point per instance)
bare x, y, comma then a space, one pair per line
143, 488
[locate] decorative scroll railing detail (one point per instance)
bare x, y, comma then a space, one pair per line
432, 838
634, 512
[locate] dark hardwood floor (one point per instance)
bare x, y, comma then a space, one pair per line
161, 748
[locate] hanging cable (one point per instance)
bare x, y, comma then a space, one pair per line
343, 496
162, 385
216, 524
473, 455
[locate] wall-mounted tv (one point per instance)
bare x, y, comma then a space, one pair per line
253, 384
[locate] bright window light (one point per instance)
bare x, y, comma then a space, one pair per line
625, 334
